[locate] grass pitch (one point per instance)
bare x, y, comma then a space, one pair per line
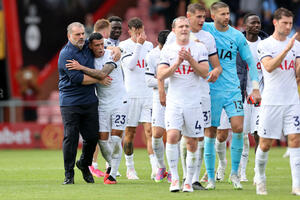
38, 174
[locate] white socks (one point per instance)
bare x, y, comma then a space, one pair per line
105, 149
295, 166
221, 151
153, 162
116, 144
172, 157
129, 162
183, 155
190, 165
261, 159
158, 149
245, 154
199, 158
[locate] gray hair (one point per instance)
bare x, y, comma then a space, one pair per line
74, 24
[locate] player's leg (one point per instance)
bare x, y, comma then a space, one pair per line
222, 135
270, 128
244, 158
146, 119
134, 110
174, 123
183, 153
234, 111
158, 130
292, 129
217, 101
206, 111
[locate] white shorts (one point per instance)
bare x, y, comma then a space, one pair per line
188, 120
206, 110
250, 118
140, 110
158, 115
224, 121
275, 120
115, 118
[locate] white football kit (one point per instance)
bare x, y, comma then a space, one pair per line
158, 111
251, 113
208, 40
184, 92
280, 108
139, 94
113, 106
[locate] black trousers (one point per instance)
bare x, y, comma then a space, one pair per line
81, 119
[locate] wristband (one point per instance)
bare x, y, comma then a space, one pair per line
255, 85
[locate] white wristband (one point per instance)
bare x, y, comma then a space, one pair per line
255, 85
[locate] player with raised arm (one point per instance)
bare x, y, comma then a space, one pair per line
280, 107
225, 92
158, 111
183, 62
139, 94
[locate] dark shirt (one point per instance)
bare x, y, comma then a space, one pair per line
71, 90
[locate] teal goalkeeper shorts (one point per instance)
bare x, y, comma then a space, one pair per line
231, 101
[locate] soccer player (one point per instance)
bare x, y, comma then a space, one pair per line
139, 94
196, 16
280, 107
225, 92
158, 111
253, 35
115, 31
183, 61
103, 27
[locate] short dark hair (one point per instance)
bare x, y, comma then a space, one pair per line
215, 6
195, 6
162, 36
136, 23
95, 36
282, 12
115, 19
247, 16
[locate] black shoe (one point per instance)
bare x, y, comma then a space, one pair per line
86, 174
68, 181
198, 186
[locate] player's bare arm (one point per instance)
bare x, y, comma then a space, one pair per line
271, 64
116, 52
215, 73
95, 73
201, 68
87, 80
106, 81
161, 92
298, 69
164, 71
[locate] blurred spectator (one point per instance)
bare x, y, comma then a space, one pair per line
253, 6
269, 6
27, 78
167, 8
89, 23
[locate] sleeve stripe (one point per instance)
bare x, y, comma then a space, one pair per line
202, 61
297, 56
147, 73
163, 63
126, 56
212, 54
112, 63
265, 56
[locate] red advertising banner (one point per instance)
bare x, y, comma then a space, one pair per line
44, 136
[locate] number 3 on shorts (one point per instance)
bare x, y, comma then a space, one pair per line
297, 122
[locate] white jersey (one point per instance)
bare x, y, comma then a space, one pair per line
111, 42
133, 64
209, 41
280, 87
114, 94
152, 62
253, 49
184, 84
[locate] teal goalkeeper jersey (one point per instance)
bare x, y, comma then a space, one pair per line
229, 43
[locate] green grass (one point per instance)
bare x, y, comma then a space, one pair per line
38, 174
